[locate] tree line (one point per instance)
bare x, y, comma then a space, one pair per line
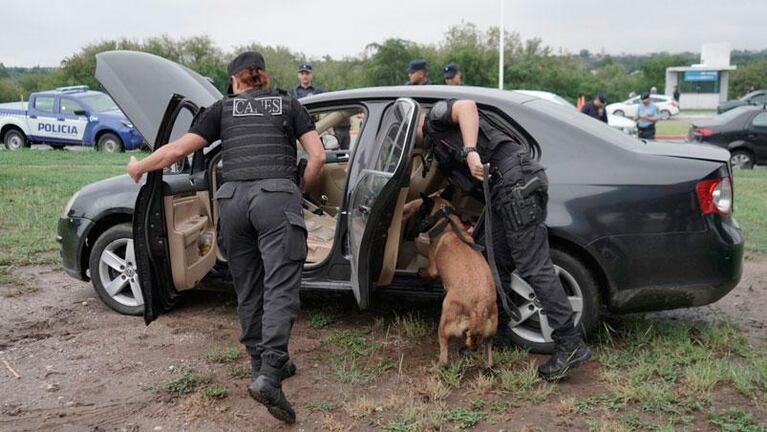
529, 64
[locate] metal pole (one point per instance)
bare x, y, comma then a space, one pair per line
500, 51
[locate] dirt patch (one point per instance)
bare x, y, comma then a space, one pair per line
84, 367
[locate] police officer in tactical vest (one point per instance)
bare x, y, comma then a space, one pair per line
461, 139
261, 228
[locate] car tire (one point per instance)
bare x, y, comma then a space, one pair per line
619, 113
665, 114
578, 281
118, 288
15, 140
110, 143
742, 159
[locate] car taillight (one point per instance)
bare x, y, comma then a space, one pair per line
715, 196
673, 103
703, 132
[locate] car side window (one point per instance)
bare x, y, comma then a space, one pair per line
657, 100
760, 120
69, 106
760, 99
44, 103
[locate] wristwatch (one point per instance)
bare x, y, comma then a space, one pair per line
466, 150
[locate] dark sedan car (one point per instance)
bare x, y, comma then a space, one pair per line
742, 131
758, 97
634, 225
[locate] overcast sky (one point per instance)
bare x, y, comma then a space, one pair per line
43, 32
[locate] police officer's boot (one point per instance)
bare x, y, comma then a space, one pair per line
288, 369
267, 390
570, 352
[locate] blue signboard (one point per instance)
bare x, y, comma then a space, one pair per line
701, 76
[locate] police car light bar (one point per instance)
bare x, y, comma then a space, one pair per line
73, 88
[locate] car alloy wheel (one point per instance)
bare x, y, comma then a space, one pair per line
742, 160
534, 326
619, 113
117, 271
665, 115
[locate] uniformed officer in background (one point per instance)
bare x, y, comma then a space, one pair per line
417, 73
262, 231
305, 86
451, 74
461, 139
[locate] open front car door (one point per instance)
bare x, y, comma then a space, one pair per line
377, 193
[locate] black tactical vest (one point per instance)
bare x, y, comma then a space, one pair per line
256, 137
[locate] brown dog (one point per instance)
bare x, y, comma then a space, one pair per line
469, 309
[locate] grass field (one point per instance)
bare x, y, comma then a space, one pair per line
36, 185
678, 128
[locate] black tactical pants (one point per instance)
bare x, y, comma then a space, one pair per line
647, 132
526, 248
263, 237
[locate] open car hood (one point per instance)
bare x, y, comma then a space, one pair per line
142, 84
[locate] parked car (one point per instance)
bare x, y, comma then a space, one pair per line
633, 225
758, 97
667, 106
741, 130
623, 124
67, 116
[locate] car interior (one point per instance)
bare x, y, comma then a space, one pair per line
190, 215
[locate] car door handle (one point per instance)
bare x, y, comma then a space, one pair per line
364, 209
33, 116
60, 119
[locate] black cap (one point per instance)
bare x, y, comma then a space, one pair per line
602, 97
243, 61
416, 65
305, 67
645, 95
450, 70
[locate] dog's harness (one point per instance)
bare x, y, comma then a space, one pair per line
435, 225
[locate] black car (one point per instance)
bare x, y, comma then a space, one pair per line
742, 131
758, 97
634, 225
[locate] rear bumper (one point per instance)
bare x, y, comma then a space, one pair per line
71, 236
672, 270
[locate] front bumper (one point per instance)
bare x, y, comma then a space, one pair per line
131, 138
651, 272
71, 235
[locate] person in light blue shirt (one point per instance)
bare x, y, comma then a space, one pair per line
646, 116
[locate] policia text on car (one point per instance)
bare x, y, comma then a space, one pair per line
261, 229
461, 139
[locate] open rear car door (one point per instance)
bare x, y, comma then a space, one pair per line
375, 194
173, 219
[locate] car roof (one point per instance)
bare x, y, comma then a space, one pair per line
75, 92
434, 92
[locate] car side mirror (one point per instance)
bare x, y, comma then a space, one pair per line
80, 112
330, 142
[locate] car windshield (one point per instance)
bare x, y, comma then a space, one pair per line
99, 102
748, 96
732, 114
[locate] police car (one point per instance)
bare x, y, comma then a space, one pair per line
68, 116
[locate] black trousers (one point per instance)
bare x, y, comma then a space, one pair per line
263, 237
646, 132
526, 249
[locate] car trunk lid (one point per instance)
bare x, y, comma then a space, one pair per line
685, 151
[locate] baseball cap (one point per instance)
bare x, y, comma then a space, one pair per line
305, 67
450, 70
243, 61
602, 97
645, 95
416, 65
